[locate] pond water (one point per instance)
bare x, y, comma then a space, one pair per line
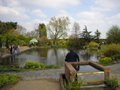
46, 56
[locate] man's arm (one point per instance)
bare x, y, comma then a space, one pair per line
66, 58
77, 58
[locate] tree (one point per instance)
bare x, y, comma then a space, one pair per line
74, 39
32, 34
76, 29
11, 37
113, 35
6, 27
21, 30
42, 30
44, 41
97, 36
57, 28
86, 35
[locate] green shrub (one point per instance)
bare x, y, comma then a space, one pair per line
75, 42
51, 66
110, 50
8, 79
62, 43
76, 85
32, 65
35, 65
105, 61
43, 41
112, 82
42, 66
93, 45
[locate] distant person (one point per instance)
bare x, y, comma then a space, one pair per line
72, 57
16, 49
12, 49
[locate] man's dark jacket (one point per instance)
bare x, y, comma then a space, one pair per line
72, 57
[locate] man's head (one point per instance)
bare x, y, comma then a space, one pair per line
71, 49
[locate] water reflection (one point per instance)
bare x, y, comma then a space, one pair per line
11, 60
46, 56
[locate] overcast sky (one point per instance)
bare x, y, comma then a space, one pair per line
96, 14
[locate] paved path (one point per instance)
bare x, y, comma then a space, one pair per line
31, 75
115, 68
22, 49
115, 71
42, 84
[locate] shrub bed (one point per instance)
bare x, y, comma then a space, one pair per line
112, 83
32, 65
35, 65
6, 79
110, 50
105, 61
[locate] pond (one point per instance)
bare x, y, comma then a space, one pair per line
46, 56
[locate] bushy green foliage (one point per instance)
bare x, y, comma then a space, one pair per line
5, 26
32, 65
62, 43
105, 61
22, 40
76, 85
113, 35
97, 36
8, 79
110, 50
42, 66
75, 42
42, 30
86, 35
112, 82
93, 45
10, 34
44, 41
35, 65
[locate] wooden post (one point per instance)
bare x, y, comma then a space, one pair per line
106, 74
70, 72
